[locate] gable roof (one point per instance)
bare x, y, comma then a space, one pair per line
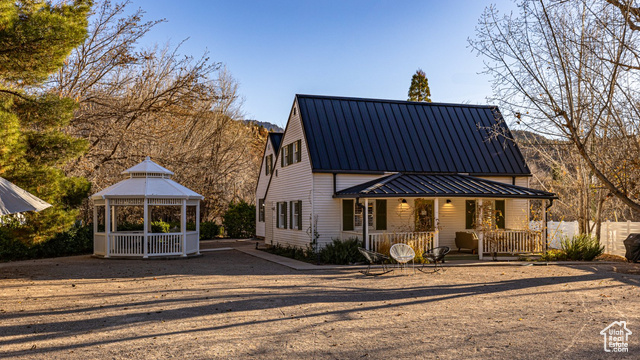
276, 139
432, 185
375, 136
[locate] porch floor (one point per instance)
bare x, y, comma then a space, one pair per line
461, 255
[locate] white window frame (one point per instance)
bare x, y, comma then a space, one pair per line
357, 215
296, 150
281, 216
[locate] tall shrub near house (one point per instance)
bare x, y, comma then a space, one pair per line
239, 220
36, 37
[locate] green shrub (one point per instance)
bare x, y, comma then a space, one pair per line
342, 252
289, 251
240, 220
581, 247
76, 241
209, 230
554, 255
160, 227
128, 226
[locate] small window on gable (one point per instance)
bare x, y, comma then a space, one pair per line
268, 164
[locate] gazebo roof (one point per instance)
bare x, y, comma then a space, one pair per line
148, 180
148, 167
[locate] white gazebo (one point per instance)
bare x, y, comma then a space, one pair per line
149, 187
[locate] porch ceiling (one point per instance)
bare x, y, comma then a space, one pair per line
434, 185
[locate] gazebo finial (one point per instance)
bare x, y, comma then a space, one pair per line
148, 157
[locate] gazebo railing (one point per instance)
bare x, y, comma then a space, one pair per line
158, 244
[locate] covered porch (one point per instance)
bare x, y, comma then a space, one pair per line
427, 211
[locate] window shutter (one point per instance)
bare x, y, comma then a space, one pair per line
278, 215
299, 154
381, 214
470, 214
291, 210
290, 154
282, 157
347, 215
500, 215
299, 214
285, 214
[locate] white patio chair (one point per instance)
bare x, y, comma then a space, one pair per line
402, 253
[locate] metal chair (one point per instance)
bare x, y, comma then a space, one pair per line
402, 253
374, 258
434, 255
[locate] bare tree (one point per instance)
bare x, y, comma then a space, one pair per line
182, 111
568, 70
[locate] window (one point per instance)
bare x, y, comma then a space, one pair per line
470, 214
261, 210
493, 213
268, 164
296, 215
357, 217
282, 215
291, 153
284, 156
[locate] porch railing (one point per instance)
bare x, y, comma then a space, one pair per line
418, 240
513, 241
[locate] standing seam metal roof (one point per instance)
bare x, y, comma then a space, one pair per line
371, 135
432, 185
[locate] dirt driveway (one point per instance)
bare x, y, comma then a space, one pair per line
227, 304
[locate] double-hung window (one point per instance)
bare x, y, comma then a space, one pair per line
296, 215
261, 210
282, 215
268, 164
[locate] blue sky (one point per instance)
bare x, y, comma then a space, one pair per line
358, 48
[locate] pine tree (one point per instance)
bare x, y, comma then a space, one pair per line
35, 38
419, 89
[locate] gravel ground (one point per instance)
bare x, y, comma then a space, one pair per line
227, 304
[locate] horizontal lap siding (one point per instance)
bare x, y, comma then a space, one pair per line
263, 182
293, 183
328, 209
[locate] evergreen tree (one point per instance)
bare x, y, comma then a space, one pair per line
35, 38
419, 89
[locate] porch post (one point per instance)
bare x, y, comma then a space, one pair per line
183, 226
145, 222
544, 227
436, 235
365, 223
481, 232
107, 225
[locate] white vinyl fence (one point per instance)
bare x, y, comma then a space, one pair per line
612, 234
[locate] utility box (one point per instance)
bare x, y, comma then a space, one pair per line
632, 245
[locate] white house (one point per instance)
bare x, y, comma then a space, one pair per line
422, 171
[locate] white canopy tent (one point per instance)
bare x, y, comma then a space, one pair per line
14, 199
148, 185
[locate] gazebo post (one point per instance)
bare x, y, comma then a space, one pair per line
95, 218
145, 222
198, 225
183, 226
107, 225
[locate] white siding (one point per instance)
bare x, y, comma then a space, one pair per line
261, 189
328, 209
291, 183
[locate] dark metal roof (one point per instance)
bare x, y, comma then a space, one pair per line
431, 185
370, 135
276, 139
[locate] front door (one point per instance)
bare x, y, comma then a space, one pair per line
424, 215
